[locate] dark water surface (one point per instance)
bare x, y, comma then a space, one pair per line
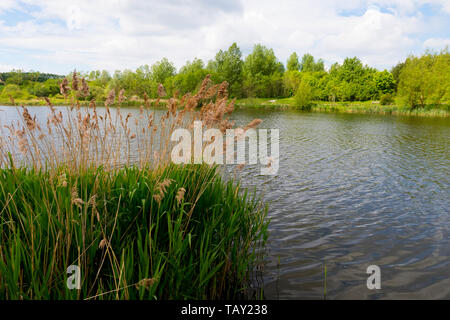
353, 191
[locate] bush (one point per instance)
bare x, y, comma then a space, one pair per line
303, 96
45, 89
425, 79
15, 91
386, 99
11, 89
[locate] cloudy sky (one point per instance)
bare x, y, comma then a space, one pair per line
59, 36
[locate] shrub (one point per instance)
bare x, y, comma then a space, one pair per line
386, 99
303, 95
12, 90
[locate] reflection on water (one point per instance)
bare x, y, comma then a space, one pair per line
352, 191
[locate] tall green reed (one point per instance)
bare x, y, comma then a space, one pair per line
128, 242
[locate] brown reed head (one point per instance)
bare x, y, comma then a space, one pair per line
161, 91
74, 81
64, 87
84, 88
110, 98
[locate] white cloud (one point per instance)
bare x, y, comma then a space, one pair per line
7, 67
377, 38
118, 34
436, 43
7, 5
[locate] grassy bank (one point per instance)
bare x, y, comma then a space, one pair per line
66, 102
176, 233
366, 107
97, 189
344, 107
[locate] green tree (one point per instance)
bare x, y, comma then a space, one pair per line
15, 77
162, 70
304, 95
384, 82
190, 76
291, 81
105, 77
14, 91
262, 61
228, 66
45, 89
440, 78
145, 83
395, 71
352, 81
293, 64
309, 65
412, 82
425, 79
263, 73
100, 78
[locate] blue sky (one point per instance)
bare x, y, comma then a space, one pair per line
60, 36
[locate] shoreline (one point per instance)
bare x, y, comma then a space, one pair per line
356, 107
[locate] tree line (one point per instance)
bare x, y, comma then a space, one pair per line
417, 81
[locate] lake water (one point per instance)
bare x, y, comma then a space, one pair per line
353, 191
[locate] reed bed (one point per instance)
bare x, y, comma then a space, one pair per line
74, 191
359, 107
369, 108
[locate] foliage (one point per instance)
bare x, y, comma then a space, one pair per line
190, 76
309, 65
162, 70
14, 91
384, 82
386, 99
304, 95
352, 81
45, 89
395, 71
291, 81
426, 79
20, 78
263, 73
228, 66
417, 82
262, 61
293, 64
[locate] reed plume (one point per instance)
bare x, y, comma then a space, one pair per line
87, 138
75, 81
161, 91
64, 87
84, 88
180, 195
110, 98
121, 96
